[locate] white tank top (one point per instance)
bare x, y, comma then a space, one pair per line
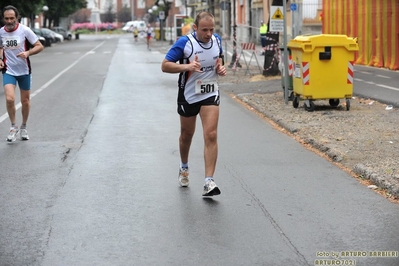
200, 86
13, 43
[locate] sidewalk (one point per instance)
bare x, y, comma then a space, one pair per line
228, 50
256, 60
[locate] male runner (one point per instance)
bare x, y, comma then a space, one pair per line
199, 55
17, 43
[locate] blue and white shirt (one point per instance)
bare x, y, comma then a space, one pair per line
13, 43
194, 86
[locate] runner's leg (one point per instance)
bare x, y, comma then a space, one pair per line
187, 129
9, 90
25, 101
210, 117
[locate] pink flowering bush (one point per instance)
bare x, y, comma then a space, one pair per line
81, 27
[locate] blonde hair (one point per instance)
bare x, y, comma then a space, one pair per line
203, 15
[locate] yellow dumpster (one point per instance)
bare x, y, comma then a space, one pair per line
157, 34
322, 68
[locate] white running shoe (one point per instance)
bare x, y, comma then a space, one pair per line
12, 135
210, 188
24, 134
184, 179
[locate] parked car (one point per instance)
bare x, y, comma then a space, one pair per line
42, 40
141, 25
66, 33
58, 37
49, 39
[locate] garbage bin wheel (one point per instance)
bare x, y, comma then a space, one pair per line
311, 106
295, 102
348, 104
290, 94
333, 102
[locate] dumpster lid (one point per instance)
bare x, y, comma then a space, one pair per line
309, 42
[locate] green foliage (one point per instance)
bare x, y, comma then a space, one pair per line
125, 14
25, 8
188, 20
57, 8
109, 16
62, 8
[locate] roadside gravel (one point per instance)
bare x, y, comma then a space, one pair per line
363, 141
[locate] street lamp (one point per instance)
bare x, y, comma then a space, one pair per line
169, 7
44, 9
151, 11
166, 6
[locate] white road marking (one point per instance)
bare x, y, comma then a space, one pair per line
379, 85
388, 87
36, 92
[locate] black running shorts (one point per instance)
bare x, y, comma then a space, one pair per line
188, 110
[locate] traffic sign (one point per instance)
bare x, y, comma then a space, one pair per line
224, 5
277, 19
293, 7
161, 15
278, 14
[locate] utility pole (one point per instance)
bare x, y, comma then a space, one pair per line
234, 56
296, 11
132, 10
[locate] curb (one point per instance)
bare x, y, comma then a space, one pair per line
388, 184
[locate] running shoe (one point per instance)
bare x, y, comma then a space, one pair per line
12, 135
24, 134
184, 180
210, 188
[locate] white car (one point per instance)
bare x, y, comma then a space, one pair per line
58, 37
131, 24
66, 33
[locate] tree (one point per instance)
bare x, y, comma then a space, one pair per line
26, 8
81, 16
124, 15
109, 16
57, 8
62, 8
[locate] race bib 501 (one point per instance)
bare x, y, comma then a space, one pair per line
206, 86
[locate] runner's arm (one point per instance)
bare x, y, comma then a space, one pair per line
37, 48
172, 67
1, 61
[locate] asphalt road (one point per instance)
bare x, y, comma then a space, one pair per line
97, 182
378, 84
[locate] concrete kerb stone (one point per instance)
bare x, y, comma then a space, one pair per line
386, 183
